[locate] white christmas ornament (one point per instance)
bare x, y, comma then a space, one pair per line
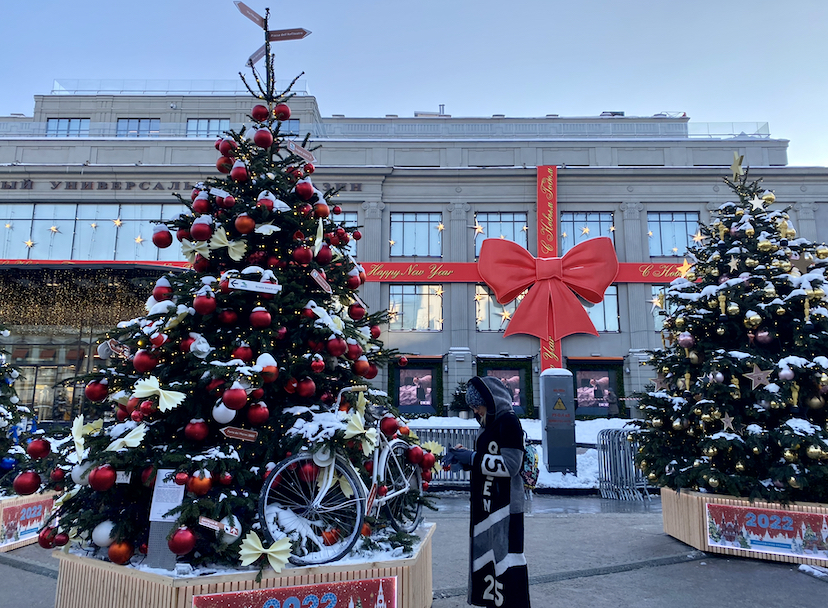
223, 414
80, 473
323, 457
231, 532
101, 534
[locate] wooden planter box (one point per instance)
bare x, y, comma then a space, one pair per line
21, 518
794, 533
91, 583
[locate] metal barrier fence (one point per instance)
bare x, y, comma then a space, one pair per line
618, 477
449, 436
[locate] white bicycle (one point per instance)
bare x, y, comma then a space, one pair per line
322, 509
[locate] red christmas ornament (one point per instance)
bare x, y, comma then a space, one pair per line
317, 365
205, 305
414, 454
258, 414
336, 347
316, 346
308, 313
196, 430
402, 361
228, 317
308, 472
182, 234
260, 318
144, 361
356, 234
201, 264
304, 190
256, 394
336, 210
309, 168
354, 351
185, 345
306, 388
38, 448
234, 398
389, 425
195, 192
353, 281
303, 255
263, 138
147, 408
162, 238
259, 113
148, 476
425, 486
382, 490
428, 462
46, 537
305, 209
281, 112
182, 541
226, 202
158, 339
26, 483
225, 479
372, 372
239, 172
202, 205
57, 475
245, 224
102, 478
361, 366
356, 312
201, 231
137, 415
375, 331
121, 414
120, 552
243, 352
290, 385
327, 398
228, 146
269, 373
320, 209
96, 391
181, 478
61, 538
224, 164
324, 256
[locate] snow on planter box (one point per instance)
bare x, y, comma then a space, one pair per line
792, 533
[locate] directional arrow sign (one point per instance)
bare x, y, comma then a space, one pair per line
260, 52
249, 13
254, 286
294, 34
300, 151
234, 432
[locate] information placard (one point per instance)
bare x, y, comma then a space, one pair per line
166, 495
768, 531
368, 593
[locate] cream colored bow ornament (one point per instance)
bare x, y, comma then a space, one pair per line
130, 440
235, 249
149, 387
252, 549
79, 429
191, 248
356, 428
320, 238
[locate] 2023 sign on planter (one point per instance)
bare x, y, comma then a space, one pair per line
371, 593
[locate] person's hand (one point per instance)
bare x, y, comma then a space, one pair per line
461, 455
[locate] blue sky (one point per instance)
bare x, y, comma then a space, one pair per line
758, 61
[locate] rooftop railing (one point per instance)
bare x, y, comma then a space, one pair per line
163, 87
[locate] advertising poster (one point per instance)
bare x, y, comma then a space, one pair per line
22, 521
768, 531
370, 593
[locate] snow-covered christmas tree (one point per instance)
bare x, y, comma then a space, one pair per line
254, 355
739, 401
11, 415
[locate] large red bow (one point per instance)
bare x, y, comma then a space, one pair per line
550, 308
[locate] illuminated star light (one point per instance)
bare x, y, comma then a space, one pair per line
94, 224
525, 228
438, 291
54, 229
736, 167
504, 316
8, 225
612, 228
478, 229
699, 237
563, 234
29, 243
657, 302
479, 296
685, 268
650, 233
138, 239
440, 227
392, 242
584, 230
117, 222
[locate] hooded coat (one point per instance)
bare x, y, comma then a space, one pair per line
497, 573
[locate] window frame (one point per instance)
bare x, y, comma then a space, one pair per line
659, 220
394, 313
151, 129
402, 233
604, 223
487, 222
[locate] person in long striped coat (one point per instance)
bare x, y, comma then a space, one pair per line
498, 575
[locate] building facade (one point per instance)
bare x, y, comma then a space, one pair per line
82, 179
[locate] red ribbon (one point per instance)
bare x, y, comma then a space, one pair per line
550, 308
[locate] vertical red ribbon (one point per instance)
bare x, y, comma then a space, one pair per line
547, 192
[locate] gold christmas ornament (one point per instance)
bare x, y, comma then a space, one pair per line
753, 320
750, 231
697, 463
791, 234
819, 293
713, 482
677, 424
706, 418
714, 272
768, 197
822, 252
785, 265
751, 262
711, 451
652, 477
657, 423
680, 322
690, 276
715, 257
816, 402
790, 455
764, 246
732, 308
697, 411
642, 465
712, 304
694, 357
793, 482
756, 450
721, 330
770, 290
814, 452
739, 212
740, 467
780, 310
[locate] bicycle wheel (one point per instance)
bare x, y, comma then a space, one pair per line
403, 511
320, 511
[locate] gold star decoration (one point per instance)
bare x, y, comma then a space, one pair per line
29, 243
757, 204
8, 225
479, 296
138, 239
502, 237
736, 167
657, 302
392, 242
54, 229
584, 230
504, 316
478, 229
525, 228
440, 227
117, 222
758, 377
802, 263
612, 229
392, 315
563, 234
727, 421
685, 268
699, 237
650, 233
94, 225
438, 291
733, 264
479, 320
440, 321
675, 249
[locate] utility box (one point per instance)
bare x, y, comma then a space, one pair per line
557, 409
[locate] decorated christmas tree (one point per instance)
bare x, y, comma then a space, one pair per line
254, 355
11, 416
739, 402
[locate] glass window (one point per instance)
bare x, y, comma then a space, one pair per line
416, 234
596, 391
67, 127
350, 219
670, 232
134, 241
53, 230
660, 307
415, 307
489, 314
604, 315
417, 387
579, 226
207, 127
138, 127
17, 230
290, 127
508, 226
515, 374
95, 232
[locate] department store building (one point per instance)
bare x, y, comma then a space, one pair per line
82, 178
